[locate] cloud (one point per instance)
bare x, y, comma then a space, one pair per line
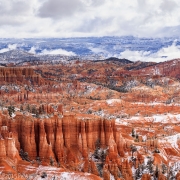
72, 18
59, 8
32, 50
14, 7
98, 50
164, 54
9, 48
15, 12
52, 52
58, 51
169, 5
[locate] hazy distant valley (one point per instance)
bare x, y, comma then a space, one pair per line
128, 47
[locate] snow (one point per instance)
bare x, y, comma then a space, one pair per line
167, 118
112, 101
156, 71
13, 115
148, 104
118, 120
135, 118
112, 177
146, 160
90, 89
99, 113
173, 140
144, 138
162, 118
52, 173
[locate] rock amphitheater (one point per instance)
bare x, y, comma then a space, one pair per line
90, 120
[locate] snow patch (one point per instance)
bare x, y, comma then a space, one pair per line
112, 101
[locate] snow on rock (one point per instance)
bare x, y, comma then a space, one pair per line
51, 173
166, 118
112, 101
112, 177
173, 140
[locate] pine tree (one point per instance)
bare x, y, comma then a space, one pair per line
164, 168
51, 161
11, 110
133, 149
28, 108
138, 172
133, 132
150, 165
33, 110
156, 173
21, 108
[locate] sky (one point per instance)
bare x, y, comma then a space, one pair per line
82, 18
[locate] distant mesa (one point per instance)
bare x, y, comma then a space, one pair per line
116, 60
16, 52
139, 65
121, 60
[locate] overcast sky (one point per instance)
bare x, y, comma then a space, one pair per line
76, 18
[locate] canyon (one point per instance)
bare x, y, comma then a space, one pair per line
111, 119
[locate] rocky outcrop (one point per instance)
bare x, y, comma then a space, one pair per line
146, 177
45, 148
7, 145
178, 176
19, 75
59, 137
71, 142
2, 148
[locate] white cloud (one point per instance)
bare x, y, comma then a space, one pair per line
10, 47
67, 18
58, 51
52, 52
97, 50
32, 50
164, 54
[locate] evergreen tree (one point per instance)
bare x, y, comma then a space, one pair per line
11, 110
133, 132
28, 108
156, 173
133, 149
51, 161
164, 168
21, 108
138, 172
43, 175
150, 165
33, 110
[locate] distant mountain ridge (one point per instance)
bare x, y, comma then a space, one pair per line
15, 56
167, 68
139, 65
100, 46
16, 52
116, 61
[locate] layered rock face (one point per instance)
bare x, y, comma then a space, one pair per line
19, 75
52, 135
74, 143
7, 145
64, 139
